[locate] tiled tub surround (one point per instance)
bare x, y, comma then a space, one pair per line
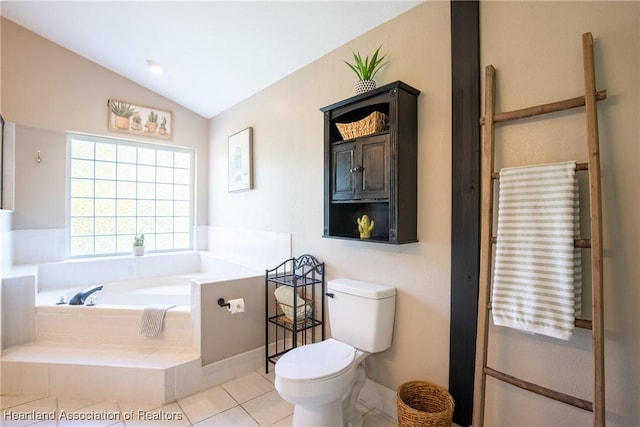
80, 351
115, 319
82, 273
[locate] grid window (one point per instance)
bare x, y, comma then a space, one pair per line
120, 189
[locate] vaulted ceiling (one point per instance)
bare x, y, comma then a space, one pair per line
214, 53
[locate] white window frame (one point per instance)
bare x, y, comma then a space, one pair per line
150, 241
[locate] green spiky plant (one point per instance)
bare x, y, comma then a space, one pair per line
122, 109
153, 117
366, 69
138, 240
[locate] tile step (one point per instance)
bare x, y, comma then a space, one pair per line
99, 355
109, 372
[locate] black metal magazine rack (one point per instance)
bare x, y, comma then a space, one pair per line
294, 306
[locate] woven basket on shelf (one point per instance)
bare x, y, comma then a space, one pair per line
303, 311
424, 404
373, 123
285, 296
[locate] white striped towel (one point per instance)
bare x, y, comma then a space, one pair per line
537, 279
153, 318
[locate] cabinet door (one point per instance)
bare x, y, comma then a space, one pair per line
373, 168
342, 176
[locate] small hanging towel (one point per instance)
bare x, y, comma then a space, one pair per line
537, 278
153, 319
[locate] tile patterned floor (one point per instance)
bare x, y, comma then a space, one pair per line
247, 401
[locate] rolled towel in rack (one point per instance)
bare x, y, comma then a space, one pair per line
284, 295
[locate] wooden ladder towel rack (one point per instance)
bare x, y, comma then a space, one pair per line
589, 100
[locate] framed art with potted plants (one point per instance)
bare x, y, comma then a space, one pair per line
139, 120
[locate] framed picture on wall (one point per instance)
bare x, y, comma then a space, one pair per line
240, 160
139, 120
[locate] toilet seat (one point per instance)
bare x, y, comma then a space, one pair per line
318, 361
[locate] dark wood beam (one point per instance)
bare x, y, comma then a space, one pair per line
465, 203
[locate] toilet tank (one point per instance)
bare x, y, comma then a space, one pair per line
361, 313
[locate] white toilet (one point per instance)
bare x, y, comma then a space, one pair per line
323, 379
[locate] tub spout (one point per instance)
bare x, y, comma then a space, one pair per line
80, 297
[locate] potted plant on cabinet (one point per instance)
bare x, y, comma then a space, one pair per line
138, 245
122, 112
366, 69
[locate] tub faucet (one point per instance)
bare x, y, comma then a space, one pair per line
80, 297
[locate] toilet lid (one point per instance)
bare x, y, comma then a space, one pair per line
315, 361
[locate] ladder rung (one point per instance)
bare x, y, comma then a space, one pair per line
578, 323
579, 167
582, 243
577, 243
552, 107
583, 323
543, 391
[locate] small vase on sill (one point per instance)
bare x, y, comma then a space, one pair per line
138, 245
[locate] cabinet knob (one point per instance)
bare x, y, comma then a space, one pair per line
330, 294
356, 169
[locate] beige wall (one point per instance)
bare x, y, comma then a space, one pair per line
536, 47
224, 335
47, 91
288, 172
537, 51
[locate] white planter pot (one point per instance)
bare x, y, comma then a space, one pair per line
363, 86
138, 250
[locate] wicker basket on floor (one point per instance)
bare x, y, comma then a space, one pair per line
424, 404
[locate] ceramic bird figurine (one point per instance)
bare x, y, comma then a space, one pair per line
365, 226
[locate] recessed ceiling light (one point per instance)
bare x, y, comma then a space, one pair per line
154, 67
